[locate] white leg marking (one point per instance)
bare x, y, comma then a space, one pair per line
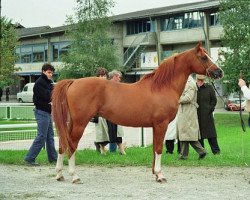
72, 167
59, 167
157, 168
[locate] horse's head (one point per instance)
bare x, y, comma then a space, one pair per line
206, 65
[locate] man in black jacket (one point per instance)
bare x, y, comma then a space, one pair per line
206, 100
42, 101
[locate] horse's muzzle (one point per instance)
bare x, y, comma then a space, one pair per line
217, 74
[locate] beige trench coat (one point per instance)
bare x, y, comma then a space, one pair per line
101, 129
187, 123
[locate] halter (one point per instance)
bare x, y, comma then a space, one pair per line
204, 65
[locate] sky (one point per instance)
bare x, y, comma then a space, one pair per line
34, 13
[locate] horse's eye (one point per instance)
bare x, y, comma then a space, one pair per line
204, 58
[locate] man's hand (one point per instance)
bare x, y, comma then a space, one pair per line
234, 106
241, 82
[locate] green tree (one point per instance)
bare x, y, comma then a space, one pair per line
91, 45
235, 18
8, 41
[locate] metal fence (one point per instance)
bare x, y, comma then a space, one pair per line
16, 111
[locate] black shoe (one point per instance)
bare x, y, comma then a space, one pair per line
182, 158
169, 152
97, 147
202, 156
217, 153
29, 163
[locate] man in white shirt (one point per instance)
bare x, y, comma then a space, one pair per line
244, 88
246, 93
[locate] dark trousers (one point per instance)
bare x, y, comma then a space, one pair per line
112, 131
213, 144
195, 144
170, 146
113, 139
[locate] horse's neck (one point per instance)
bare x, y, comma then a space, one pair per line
181, 74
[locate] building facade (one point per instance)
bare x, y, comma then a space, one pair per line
143, 39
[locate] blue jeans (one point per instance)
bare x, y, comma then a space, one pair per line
112, 147
45, 135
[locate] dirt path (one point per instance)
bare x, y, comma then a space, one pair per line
23, 182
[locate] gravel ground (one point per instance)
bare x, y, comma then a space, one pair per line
206, 183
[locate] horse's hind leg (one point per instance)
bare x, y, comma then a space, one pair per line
59, 166
76, 134
72, 171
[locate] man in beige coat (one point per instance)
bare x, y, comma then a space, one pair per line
103, 132
187, 123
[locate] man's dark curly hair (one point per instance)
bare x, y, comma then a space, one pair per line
47, 66
101, 71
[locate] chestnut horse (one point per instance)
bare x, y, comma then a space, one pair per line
150, 102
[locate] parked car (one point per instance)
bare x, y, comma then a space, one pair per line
26, 95
232, 102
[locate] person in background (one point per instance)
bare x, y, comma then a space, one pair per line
207, 100
101, 127
187, 121
171, 137
244, 88
7, 93
246, 94
42, 101
115, 131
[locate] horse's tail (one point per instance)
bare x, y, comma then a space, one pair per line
61, 116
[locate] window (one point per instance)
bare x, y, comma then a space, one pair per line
136, 27
26, 54
55, 52
38, 54
25, 89
59, 50
182, 21
32, 53
18, 55
214, 19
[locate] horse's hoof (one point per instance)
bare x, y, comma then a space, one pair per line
161, 180
61, 178
77, 181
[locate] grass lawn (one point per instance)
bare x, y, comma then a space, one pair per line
234, 144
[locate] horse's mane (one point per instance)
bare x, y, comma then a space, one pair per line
162, 75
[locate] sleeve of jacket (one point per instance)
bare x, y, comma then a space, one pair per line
188, 94
246, 92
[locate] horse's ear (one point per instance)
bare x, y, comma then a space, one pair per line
198, 46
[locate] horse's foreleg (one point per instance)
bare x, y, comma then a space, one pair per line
157, 168
59, 167
158, 137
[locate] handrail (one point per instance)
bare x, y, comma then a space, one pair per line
134, 47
